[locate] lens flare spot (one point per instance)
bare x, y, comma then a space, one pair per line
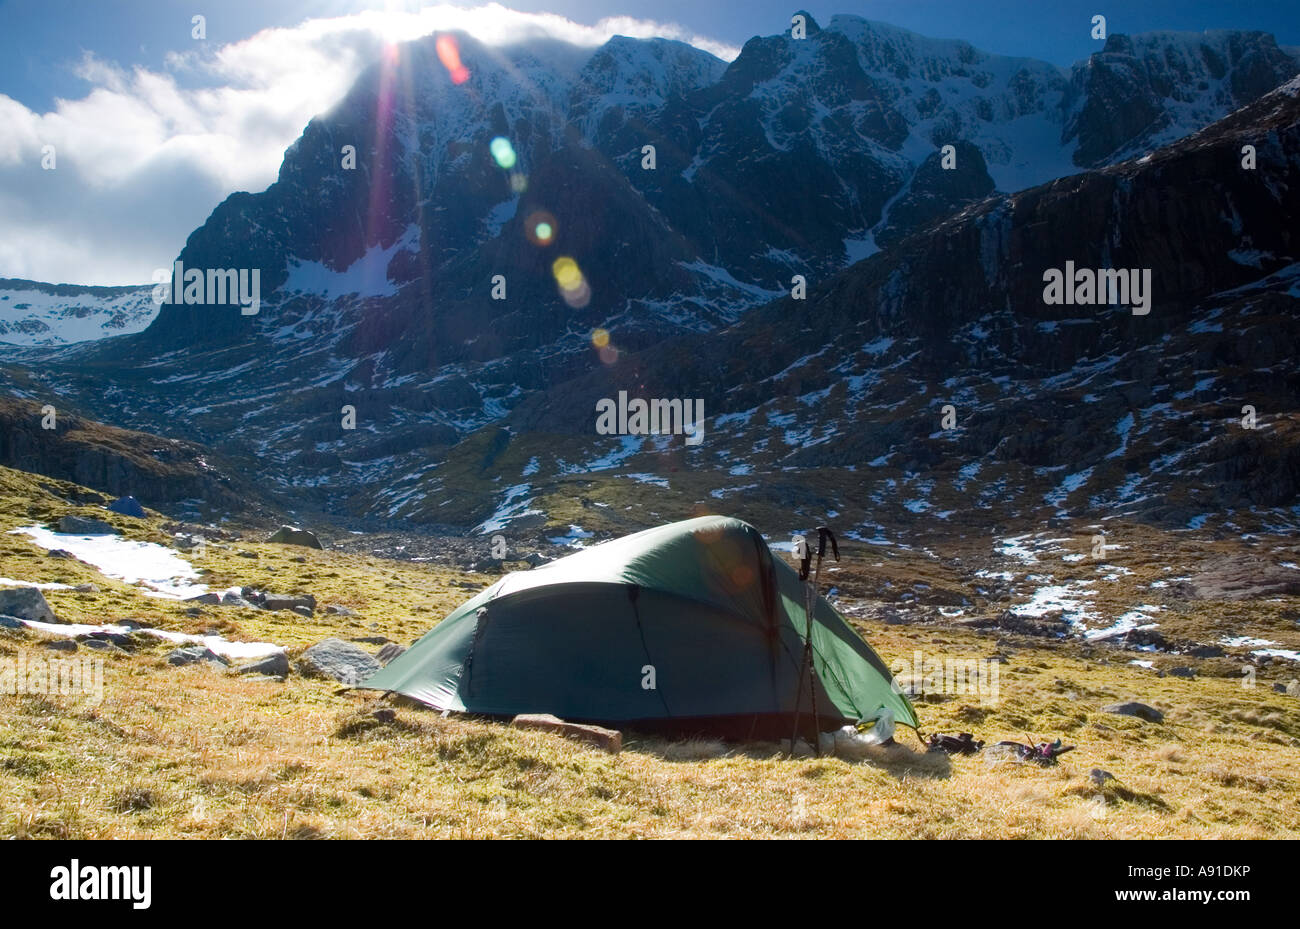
600, 337
449, 55
567, 273
608, 354
518, 182
503, 153
540, 227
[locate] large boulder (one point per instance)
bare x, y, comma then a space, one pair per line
291, 535
276, 665
343, 661
127, 506
25, 603
84, 525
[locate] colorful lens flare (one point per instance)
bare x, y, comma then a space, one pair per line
503, 153
449, 55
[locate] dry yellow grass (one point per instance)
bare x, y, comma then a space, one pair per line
195, 752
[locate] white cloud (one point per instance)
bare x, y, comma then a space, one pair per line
145, 156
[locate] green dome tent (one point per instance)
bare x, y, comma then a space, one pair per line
691, 627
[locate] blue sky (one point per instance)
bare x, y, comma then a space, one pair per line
153, 129
39, 39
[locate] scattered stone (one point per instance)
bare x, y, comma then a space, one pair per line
292, 535
1100, 777
233, 599
82, 525
9, 622
1133, 708
209, 599
244, 553
1290, 688
61, 645
85, 589
389, 652
59, 553
611, 740
372, 639
345, 662
1182, 671
127, 506
276, 665
192, 654
100, 645
1240, 577
535, 559
25, 603
287, 602
335, 610
1207, 651
124, 642
385, 714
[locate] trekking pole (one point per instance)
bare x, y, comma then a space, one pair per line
810, 598
800, 551
809, 601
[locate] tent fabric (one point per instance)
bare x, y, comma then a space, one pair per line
701, 602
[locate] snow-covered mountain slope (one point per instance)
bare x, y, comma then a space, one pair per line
799, 157
59, 314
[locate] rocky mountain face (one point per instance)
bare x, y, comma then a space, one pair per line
798, 158
164, 473
1184, 416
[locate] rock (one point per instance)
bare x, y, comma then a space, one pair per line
371, 639
25, 603
209, 598
192, 654
389, 652
59, 553
1133, 708
244, 553
343, 661
9, 622
82, 525
1182, 671
1240, 577
335, 610
86, 589
100, 645
292, 535
233, 599
1207, 651
287, 602
1100, 777
611, 740
385, 714
61, 645
536, 559
127, 506
1290, 688
124, 642
276, 665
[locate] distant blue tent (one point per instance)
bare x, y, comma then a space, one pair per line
127, 506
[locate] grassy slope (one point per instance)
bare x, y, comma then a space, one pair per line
196, 752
